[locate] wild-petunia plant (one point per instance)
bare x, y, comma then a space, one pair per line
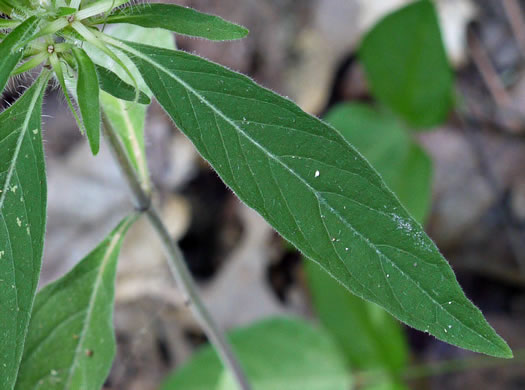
298, 172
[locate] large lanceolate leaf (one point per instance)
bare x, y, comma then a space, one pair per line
182, 20
70, 343
23, 196
407, 66
315, 189
279, 353
10, 53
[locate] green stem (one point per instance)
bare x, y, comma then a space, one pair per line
176, 261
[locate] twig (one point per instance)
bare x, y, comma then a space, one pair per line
514, 237
517, 23
488, 73
176, 261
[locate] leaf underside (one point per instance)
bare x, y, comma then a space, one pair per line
71, 343
23, 195
316, 190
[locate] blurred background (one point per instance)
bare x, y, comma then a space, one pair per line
471, 192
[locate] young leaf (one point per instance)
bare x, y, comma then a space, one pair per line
10, 52
279, 353
403, 164
70, 343
128, 119
88, 98
114, 85
153, 36
315, 189
23, 195
182, 20
406, 64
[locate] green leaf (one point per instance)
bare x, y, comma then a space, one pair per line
279, 353
403, 164
114, 85
406, 64
23, 195
182, 20
71, 342
88, 97
128, 119
316, 190
10, 51
369, 337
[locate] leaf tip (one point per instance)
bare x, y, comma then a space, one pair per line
243, 32
505, 351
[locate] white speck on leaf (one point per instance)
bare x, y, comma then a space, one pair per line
317, 173
18, 222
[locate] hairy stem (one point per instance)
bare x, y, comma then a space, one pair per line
176, 261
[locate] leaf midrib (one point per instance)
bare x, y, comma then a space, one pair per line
10, 172
134, 142
314, 191
12, 165
107, 256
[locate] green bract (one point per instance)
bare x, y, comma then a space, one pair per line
88, 97
10, 52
